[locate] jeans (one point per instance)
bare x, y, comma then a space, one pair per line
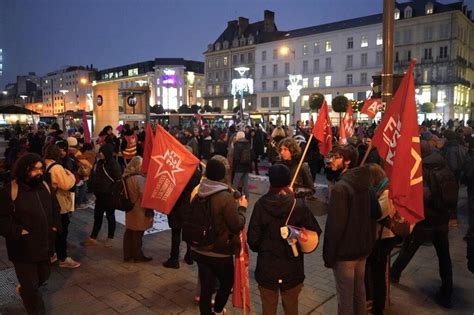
350, 286
245, 182
102, 204
81, 193
31, 276
175, 243
420, 235
61, 238
210, 268
132, 244
289, 299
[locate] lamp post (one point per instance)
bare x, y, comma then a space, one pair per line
64, 107
294, 87
240, 86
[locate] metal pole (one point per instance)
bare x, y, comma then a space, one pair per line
387, 73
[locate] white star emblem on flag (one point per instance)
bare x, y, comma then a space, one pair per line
168, 164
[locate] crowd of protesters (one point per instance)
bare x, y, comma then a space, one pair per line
57, 169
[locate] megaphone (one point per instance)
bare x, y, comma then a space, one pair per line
307, 239
290, 234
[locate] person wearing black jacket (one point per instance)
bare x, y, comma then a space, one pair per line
28, 224
350, 230
242, 163
107, 172
277, 269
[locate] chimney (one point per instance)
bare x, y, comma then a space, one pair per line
269, 21
231, 23
243, 24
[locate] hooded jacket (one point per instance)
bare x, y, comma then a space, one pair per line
227, 216
276, 266
103, 185
350, 229
237, 165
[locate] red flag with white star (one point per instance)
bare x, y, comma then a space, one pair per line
398, 143
171, 167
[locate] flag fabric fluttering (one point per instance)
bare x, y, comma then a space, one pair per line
241, 289
322, 130
85, 127
398, 143
147, 148
346, 125
371, 107
170, 168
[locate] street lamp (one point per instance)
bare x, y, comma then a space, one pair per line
5, 92
64, 107
294, 87
240, 86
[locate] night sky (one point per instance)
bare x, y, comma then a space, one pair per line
44, 35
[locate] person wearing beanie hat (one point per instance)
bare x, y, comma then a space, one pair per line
71, 141
29, 236
228, 217
278, 272
242, 159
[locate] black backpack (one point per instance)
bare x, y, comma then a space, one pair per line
120, 197
47, 173
246, 155
444, 187
198, 226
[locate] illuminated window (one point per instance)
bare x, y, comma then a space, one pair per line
327, 80
305, 82
218, 89
396, 14
226, 104
328, 46
316, 82
379, 39
305, 49
364, 42
429, 8
407, 12
226, 60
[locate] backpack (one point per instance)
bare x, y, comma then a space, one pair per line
47, 174
198, 226
120, 196
444, 187
246, 156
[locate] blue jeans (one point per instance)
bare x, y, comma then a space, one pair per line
81, 193
245, 183
350, 287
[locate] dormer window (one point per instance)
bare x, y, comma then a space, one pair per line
242, 41
408, 12
251, 39
225, 45
396, 14
217, 46
235, 42
429, 8
210, 47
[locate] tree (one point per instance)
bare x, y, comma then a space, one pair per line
207, 108
157, 109
195, 108
316, 101
427, 107
339, 104
216, 110
183, 109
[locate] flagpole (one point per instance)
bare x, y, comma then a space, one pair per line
301, 160
369, 148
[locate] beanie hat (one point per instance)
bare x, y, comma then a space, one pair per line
62, 144
215, 170
240, 135
72, 141
279, 175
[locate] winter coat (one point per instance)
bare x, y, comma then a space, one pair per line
239, 147
137, 219
304, 179
276, 266
207, 148
102, 183
227, 216
62, 180
175, 218
259, 142
350, 229
455, 156
35, 210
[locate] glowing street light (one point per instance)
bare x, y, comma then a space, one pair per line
294, 88
240, 86
84, 81
5, 92
64, 106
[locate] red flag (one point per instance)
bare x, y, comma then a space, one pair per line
171, 167
322, 130
398, 143
85, 126
241, 290
342, 133
371, 107
147, 148
346, 126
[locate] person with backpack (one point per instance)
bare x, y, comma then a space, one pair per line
350, 229
212, 226
440, 193
107, 173
61, 180
128, 145
278, 271
242, 163
139, 219
29, 217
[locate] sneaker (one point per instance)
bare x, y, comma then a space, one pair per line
443, 300
108, 242
90, 242
142, 259
171, 263
224, 311
188, 259
53, 258
69, 263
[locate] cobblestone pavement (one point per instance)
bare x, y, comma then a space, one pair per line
104, 284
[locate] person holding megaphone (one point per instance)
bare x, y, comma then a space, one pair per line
281, 229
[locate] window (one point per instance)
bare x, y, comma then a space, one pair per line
305, 66
275, 69
209, 89
427, 53
349, 61
264, 55
328, 63
443, 52
287, 68
264, 86
316, 82
350, 42
285, 101
249, 57
217, 76
327, 80
275, 85
397, 59
408, 55
396, 14
364, 41
407, 36
408, 12
264, 102
218, 89
287, 82
305, 49
275, 101
379, 40
305, 83
428, 33
242, 58
349, 79
316, 48
429, 8
198, 93
363, 78
396, 37
226, 76
234, 59
217, 62
363, 60
328, 46
378, 58
316, 65
275, 53
264, 71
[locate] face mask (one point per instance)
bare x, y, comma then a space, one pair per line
35, 181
